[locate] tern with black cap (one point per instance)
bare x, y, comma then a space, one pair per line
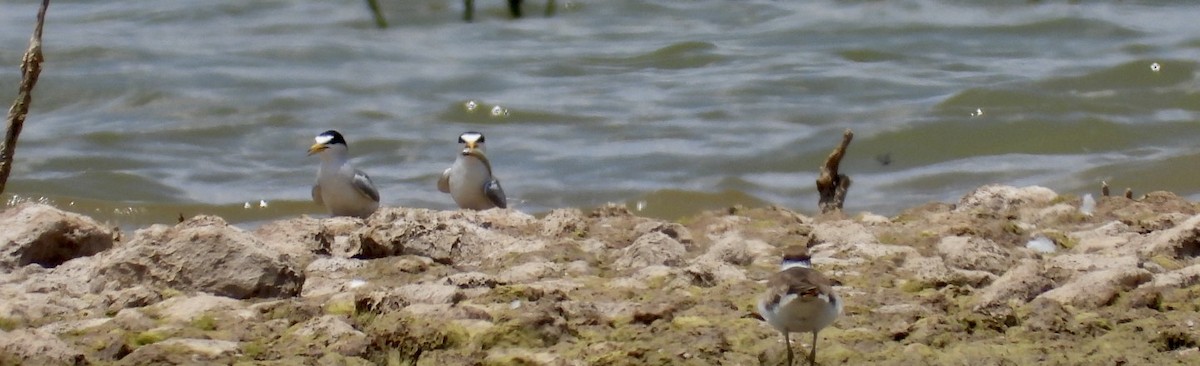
342, 189
469, 181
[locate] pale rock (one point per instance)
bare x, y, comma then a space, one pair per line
1181, 242
422, 293
998, 198
1111, 238
46, 236
333, 334
1180, 278
556, 285
329, 275
529, 272
933, 271
876, 251
1023, 282
201, 254
653, 248
1098, 288
1055, 212
38, 347
871, 219
183, 309
179, 351
568, 222
1064, 267
708, 272
74, 326
976, 254
671, 229
738, 251
133, 319
578, 268
449, 237
840, 235
209, 348
471, 280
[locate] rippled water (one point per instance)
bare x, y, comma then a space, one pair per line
147, 111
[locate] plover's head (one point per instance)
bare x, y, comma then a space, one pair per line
796, 256
328, 141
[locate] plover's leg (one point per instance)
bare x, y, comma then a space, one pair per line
787, 342
812, 355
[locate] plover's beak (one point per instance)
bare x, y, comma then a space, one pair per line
316, 148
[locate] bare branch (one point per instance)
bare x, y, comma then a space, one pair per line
31, 68
377, 12
832, 185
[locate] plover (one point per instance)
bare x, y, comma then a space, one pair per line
799, 299
342, 189
469, 181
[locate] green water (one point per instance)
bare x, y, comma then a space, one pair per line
146, 112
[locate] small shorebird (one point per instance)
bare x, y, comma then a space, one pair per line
469, 181
799, 299
343, 190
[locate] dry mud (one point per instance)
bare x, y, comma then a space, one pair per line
938, 284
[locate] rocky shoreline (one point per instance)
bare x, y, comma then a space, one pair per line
937, 284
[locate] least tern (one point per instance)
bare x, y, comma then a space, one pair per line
469, 181
799, 299
343, 190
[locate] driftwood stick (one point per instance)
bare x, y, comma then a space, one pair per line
31, 68
832, 185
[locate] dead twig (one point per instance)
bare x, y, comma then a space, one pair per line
832, 185
31, 68
377, 12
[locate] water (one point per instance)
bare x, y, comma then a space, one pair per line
149, 111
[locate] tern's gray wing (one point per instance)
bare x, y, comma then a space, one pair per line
363, 184
444, 181
495, 193
316, 193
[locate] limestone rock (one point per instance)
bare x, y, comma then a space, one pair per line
333, 334
972, 253
185, 309
654, 248
564, 222
180, 351
1021, 283
1179, 242
1001, 198
1098, 288
46, 236
448, 237
201, 254
37, 347
528, 272
1180, 278
328, 275
302, 239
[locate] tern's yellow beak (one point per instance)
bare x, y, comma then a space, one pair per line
316, 148
471, 145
